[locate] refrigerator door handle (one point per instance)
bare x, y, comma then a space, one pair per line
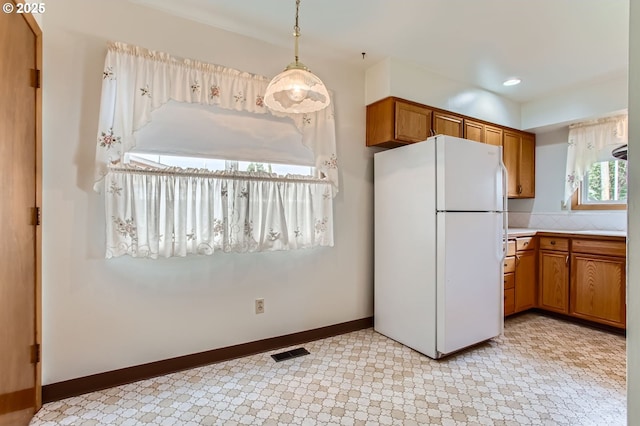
505, 220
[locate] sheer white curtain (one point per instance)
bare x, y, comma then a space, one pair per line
590, 142
177, 213
137, 81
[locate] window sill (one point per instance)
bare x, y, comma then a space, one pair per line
576, 205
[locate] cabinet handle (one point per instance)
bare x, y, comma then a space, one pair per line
519, 189
517, 260
566, 260
553, 242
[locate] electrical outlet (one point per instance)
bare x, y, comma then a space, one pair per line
259, 306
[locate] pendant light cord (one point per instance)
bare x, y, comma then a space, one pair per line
296, 30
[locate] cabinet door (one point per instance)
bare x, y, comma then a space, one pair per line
527, 167
510, 156
519, 152
554, 281
473, 131
525, 288
509, 294
413, 122
492, 135
447, 124
598, 289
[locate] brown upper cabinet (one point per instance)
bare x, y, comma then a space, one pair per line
393, 122
519, 150
447, 124
492, 135
480, 132
474, 131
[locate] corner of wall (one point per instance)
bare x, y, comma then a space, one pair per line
377, 81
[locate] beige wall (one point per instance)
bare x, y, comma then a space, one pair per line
101, 315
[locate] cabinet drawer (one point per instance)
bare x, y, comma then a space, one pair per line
511, 248
525, 243
509, 281
602, 247
509, 301
553, 243
509, 264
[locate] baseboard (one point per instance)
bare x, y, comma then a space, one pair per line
586, 323
68, 388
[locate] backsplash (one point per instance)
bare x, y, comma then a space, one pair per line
570, 221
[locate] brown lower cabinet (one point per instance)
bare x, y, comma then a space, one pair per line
520, 291
554, 274
525, 281
598, 282
578, 277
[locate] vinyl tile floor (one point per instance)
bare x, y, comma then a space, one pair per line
542, 371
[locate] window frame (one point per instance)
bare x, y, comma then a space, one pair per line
578, 204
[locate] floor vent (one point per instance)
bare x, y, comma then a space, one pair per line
294, 353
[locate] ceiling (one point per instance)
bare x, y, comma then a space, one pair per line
552, 45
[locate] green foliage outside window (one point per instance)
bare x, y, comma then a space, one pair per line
606, 182
259, 167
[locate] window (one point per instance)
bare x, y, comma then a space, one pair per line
159, 161
604, 187
191, 161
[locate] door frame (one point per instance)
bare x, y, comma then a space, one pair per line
37, 31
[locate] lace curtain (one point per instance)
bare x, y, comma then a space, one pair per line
590, 142
180, 212
137, 81
177, 212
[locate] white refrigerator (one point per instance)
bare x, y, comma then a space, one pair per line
440, 231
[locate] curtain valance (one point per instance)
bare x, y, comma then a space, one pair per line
590, 142
136, 81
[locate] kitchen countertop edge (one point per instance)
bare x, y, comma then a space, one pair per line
529, 232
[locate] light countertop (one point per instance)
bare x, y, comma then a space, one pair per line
524, 232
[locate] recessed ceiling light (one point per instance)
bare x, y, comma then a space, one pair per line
512, 82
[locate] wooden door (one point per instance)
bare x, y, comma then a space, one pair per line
19, 190
525, 285
527, 167
413, 122
598, 289
447, 124
511, 157
554, 281
492, 135
473, 131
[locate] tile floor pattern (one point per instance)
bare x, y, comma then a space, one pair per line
543, 371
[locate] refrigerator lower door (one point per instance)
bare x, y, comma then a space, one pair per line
469, 282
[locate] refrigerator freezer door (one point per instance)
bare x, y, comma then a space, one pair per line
469, 279
468, 175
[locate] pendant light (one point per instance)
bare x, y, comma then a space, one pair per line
296, 89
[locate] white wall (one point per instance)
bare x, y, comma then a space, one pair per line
393, 77
580, 103
102, 315
551, 162
633, 242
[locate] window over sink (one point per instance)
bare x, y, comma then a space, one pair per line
604, 187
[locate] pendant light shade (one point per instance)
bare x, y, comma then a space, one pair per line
296, 90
